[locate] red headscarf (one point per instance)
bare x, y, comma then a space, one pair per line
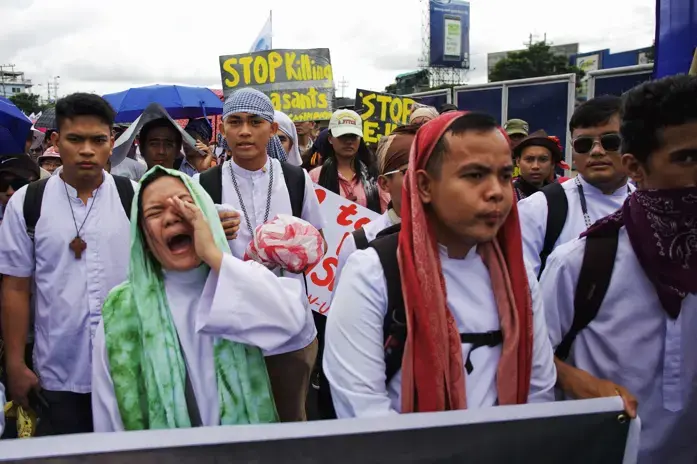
432, 366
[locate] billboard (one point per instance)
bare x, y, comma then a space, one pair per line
586, 63
299, 82
676, 36
450, 34
382, 113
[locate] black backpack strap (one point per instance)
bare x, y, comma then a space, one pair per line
126, 193
593, 282
478, 340
557, 210
360, 239
212, 182
32, 205
295, 182
394, 325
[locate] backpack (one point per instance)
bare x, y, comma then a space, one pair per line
360, 239
212, 182
593, 282
35, 194
557, 211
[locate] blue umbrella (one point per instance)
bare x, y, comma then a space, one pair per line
14, 128
180, 102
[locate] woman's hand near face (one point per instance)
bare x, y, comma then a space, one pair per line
204, 244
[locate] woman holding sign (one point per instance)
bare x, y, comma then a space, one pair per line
349, 170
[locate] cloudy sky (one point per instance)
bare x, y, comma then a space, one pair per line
110, 46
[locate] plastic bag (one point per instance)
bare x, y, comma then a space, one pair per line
26, 419
288, 242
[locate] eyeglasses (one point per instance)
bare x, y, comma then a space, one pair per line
403, 171
15, 182
585, 143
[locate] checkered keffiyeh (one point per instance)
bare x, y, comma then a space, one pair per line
255, 102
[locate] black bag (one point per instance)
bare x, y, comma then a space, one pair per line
593, 282
557, 211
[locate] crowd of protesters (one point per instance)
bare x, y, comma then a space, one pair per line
130, 300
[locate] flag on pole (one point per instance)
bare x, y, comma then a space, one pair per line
263, 40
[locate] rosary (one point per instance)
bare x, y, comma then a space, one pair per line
78, 245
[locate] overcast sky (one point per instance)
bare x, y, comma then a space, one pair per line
106, 47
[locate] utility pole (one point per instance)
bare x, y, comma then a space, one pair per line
343, 85
52, 85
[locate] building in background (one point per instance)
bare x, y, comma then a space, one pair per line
410, 82
567, 50
13, 82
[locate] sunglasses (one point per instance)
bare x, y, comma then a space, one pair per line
403, 171
584, 144
15, 182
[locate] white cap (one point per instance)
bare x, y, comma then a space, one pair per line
345, 122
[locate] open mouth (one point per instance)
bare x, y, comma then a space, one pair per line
179, 243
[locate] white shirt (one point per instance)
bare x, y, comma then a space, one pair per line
130, 168
372, 229
204, 306
2, 411
254, 188
354, 360
533, 216
633, 343
69, 292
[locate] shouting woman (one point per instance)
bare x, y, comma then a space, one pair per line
182, 341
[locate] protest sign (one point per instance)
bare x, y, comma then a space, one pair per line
341, 217
299, 82
569, 432
382, 113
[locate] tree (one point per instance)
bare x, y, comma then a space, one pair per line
27, 102
536, 61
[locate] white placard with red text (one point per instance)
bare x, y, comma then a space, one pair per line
341, 217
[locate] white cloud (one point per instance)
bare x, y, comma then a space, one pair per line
110, 46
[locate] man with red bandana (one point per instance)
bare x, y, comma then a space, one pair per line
641, 344
460, 267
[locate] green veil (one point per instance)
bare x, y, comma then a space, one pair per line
145, 359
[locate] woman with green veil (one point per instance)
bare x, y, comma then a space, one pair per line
182, 341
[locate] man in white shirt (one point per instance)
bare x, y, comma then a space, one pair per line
454, 272
561, 212
76, 252
638, 340
256, 183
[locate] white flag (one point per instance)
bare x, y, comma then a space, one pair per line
263, 40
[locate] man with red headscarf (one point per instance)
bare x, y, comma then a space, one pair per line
442, 315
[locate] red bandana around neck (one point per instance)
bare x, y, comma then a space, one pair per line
432, 367
662, 228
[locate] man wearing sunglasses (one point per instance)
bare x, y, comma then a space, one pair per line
561, 212
641, 344
15, 172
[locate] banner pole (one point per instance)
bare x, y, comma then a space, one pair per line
271, 24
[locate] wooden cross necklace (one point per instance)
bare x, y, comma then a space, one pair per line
78, 245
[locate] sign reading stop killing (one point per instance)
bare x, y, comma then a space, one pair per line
299, 82
382, 113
